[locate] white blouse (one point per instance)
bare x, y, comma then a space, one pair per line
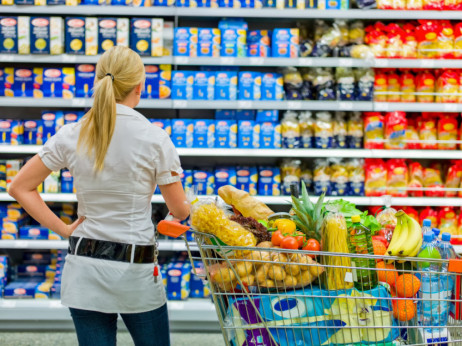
117, 205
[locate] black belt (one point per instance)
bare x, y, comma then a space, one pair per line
112, 251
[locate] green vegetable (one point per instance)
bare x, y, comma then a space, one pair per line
348, 209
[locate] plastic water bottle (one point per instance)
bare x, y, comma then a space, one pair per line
436, 232
426, 226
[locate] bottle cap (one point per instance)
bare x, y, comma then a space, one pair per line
427, 223
446, 236
428, 236
356, 218
436, 231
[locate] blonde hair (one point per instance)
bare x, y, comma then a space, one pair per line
118, 72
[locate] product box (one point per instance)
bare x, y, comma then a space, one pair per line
226, 85
23, 35
203, 85
43, 290
182, 85
233, 43
224, 176
249, 85
6, 133
157, 37
272, 87
75, 35
31, 271
225, 134
54, 236
209, 41
245, 114
49, 124
112, 32
204, 133
84, 79
248, 134
2, 82
56, 290
20, 289
67, 182
178, 277
285, 43
47, 35
187, 179
12, 169
33, 232
91, 36
247, 179
269, 181
259, 43
36, 258
70, 117
19, 82
267, 115
7, 2
146, 36
270, 135
158, 82
51, 183
56, 2
31, 132
204, 182
185, 42
182, 133
186, 3
164, 124
9, 35
167, 38
58, 82
225, 114
199, 288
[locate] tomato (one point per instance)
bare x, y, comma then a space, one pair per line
301, 239
277, 238
289, 243
312, 245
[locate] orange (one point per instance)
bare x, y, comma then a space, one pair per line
389, 276
379, 248
404, 310
407, 285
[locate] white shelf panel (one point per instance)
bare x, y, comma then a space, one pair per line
416, 107
20, 149
71, 59
89, 10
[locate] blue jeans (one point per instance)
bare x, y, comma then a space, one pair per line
100, 329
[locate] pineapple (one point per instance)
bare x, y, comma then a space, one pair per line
308, 216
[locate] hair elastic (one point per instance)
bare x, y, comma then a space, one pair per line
111, 75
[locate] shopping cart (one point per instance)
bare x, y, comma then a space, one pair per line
271, 310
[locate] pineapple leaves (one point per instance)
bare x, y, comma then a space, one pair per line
306, 199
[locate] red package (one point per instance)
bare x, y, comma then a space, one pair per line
407, 86
376, 177
447, 87
431, 214
394, 87
433, 4
380, 86
453, 178
427, 34
447, 220
452, 5
447, 131
433, 182
425, 84
397, 178
458, 41
376, 39
445, 40
416, 175
395, 130
428, 131
373, 130
411, 212
414, 4
394, 40
412, 134
409, 49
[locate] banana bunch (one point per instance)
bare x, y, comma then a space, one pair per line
407, 237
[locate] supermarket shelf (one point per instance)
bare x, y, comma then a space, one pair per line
70, 59
31, 314
47, 197
416, 107
89, 10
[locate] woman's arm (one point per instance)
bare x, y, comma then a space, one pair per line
175, 199
24, 190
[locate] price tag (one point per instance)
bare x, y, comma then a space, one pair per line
227, 61
178, 246
244, 104
450, 107
345, 106
294, 105
348, 277
305, 62
55, 304
381, 106
427, 63
176, 305
79, 102
256, 61
180, 103
69, 58
8, 304
21, 244
346, 62
181, 60
381, 62
7, 57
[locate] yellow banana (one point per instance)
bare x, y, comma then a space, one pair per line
402, 238
414, 237
394, 238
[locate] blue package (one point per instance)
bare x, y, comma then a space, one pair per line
164, 124
204, 182
269, 181
248, 134
204, 86
40, 35
225, 134
9, 35
185, 42
140, 35
247, 179
272, 87
187, 179
245, 114
224, 176
67, 182
23, 85
31, 271
182, 133
259, 43
204, 133
70, 117
56, 290
36, 258
84, 79
178, 277
2, 82
249, 85
285, 43
233, 43
49, 123
31, 128
270, 135
33, 232
225, 114
5, 132
58, 82
182, 85
20, 289
158, 82
75, 35
226, 85
267, 115
199, 288
209, 42
107, 34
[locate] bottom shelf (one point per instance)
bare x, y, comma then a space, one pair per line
31, 314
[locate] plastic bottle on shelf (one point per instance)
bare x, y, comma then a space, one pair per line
426, 226
436, 232
360, 242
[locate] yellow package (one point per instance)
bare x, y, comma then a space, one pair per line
290, 131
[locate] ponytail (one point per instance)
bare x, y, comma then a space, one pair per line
118, 72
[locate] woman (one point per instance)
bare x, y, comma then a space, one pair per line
117, 157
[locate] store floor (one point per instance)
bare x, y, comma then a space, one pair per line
123, 339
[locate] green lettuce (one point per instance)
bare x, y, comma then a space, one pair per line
348, 210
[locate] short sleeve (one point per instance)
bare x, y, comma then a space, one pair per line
167, 163
52, 154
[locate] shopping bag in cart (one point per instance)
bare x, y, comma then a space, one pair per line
314, 317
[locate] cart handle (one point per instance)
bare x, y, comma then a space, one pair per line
171, 228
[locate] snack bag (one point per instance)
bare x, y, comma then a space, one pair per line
428, 131
394, 39
448, 220
387, 218
290, 130
427, 36
356, 177
447, 87
321, 177
447, 131
453, 178
431, 214
409, 49
414, 4
293, 83
324, 84
416, 176
425, 82
355, 134
290, 173
365, 84
376, 38
397, 178
407, 86
345, 84
306, 125
445, 40
394, 88
339, 177
307, 177
458, 41
412, 134
395, 130
376, 177
340, 131
374, 124
432, 179
323, 131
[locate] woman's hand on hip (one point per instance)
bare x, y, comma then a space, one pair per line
71, 228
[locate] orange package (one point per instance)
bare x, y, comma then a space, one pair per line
448, 220
458, 41
447, 87
376, 177
416, 180
397, 178
407, 86
380, 86
412, 134
425, 83
374, 124
445, 40
428, 131
427, 34
394, 87
453, 178
432, 181
395, 130
447, 131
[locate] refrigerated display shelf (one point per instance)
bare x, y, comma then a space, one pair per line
231, 12
30, 314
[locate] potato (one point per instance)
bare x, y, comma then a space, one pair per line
265, 244
290, 281
248, 280
292, 269
260, 256
226, 286
279, 257
294, 257
305, 278
244, 268
262, 273
304, 261
268, 284
316, 269
223, 275
277, 273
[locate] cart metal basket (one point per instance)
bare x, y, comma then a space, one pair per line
255, 310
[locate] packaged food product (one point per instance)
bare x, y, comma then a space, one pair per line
356, 177
306, 125
324, 84
410, 211
374, 125
394, 38
356, 32
345, 84
290, 130
323, 131
355, 134
407, 85
431, 214
387, 218
433, 181
380, 86
397, 178
445, 40
409, 49
365, 84
376, 37
395, 130
290, 174
448, 220
340, 131
427, 36
394, 88
376, 177
412, 134
339, 177
321, 177
293, 83
425, 85
447, 131
458, 40
447, 87
307, 177
428, 131
453, 178
416, 177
